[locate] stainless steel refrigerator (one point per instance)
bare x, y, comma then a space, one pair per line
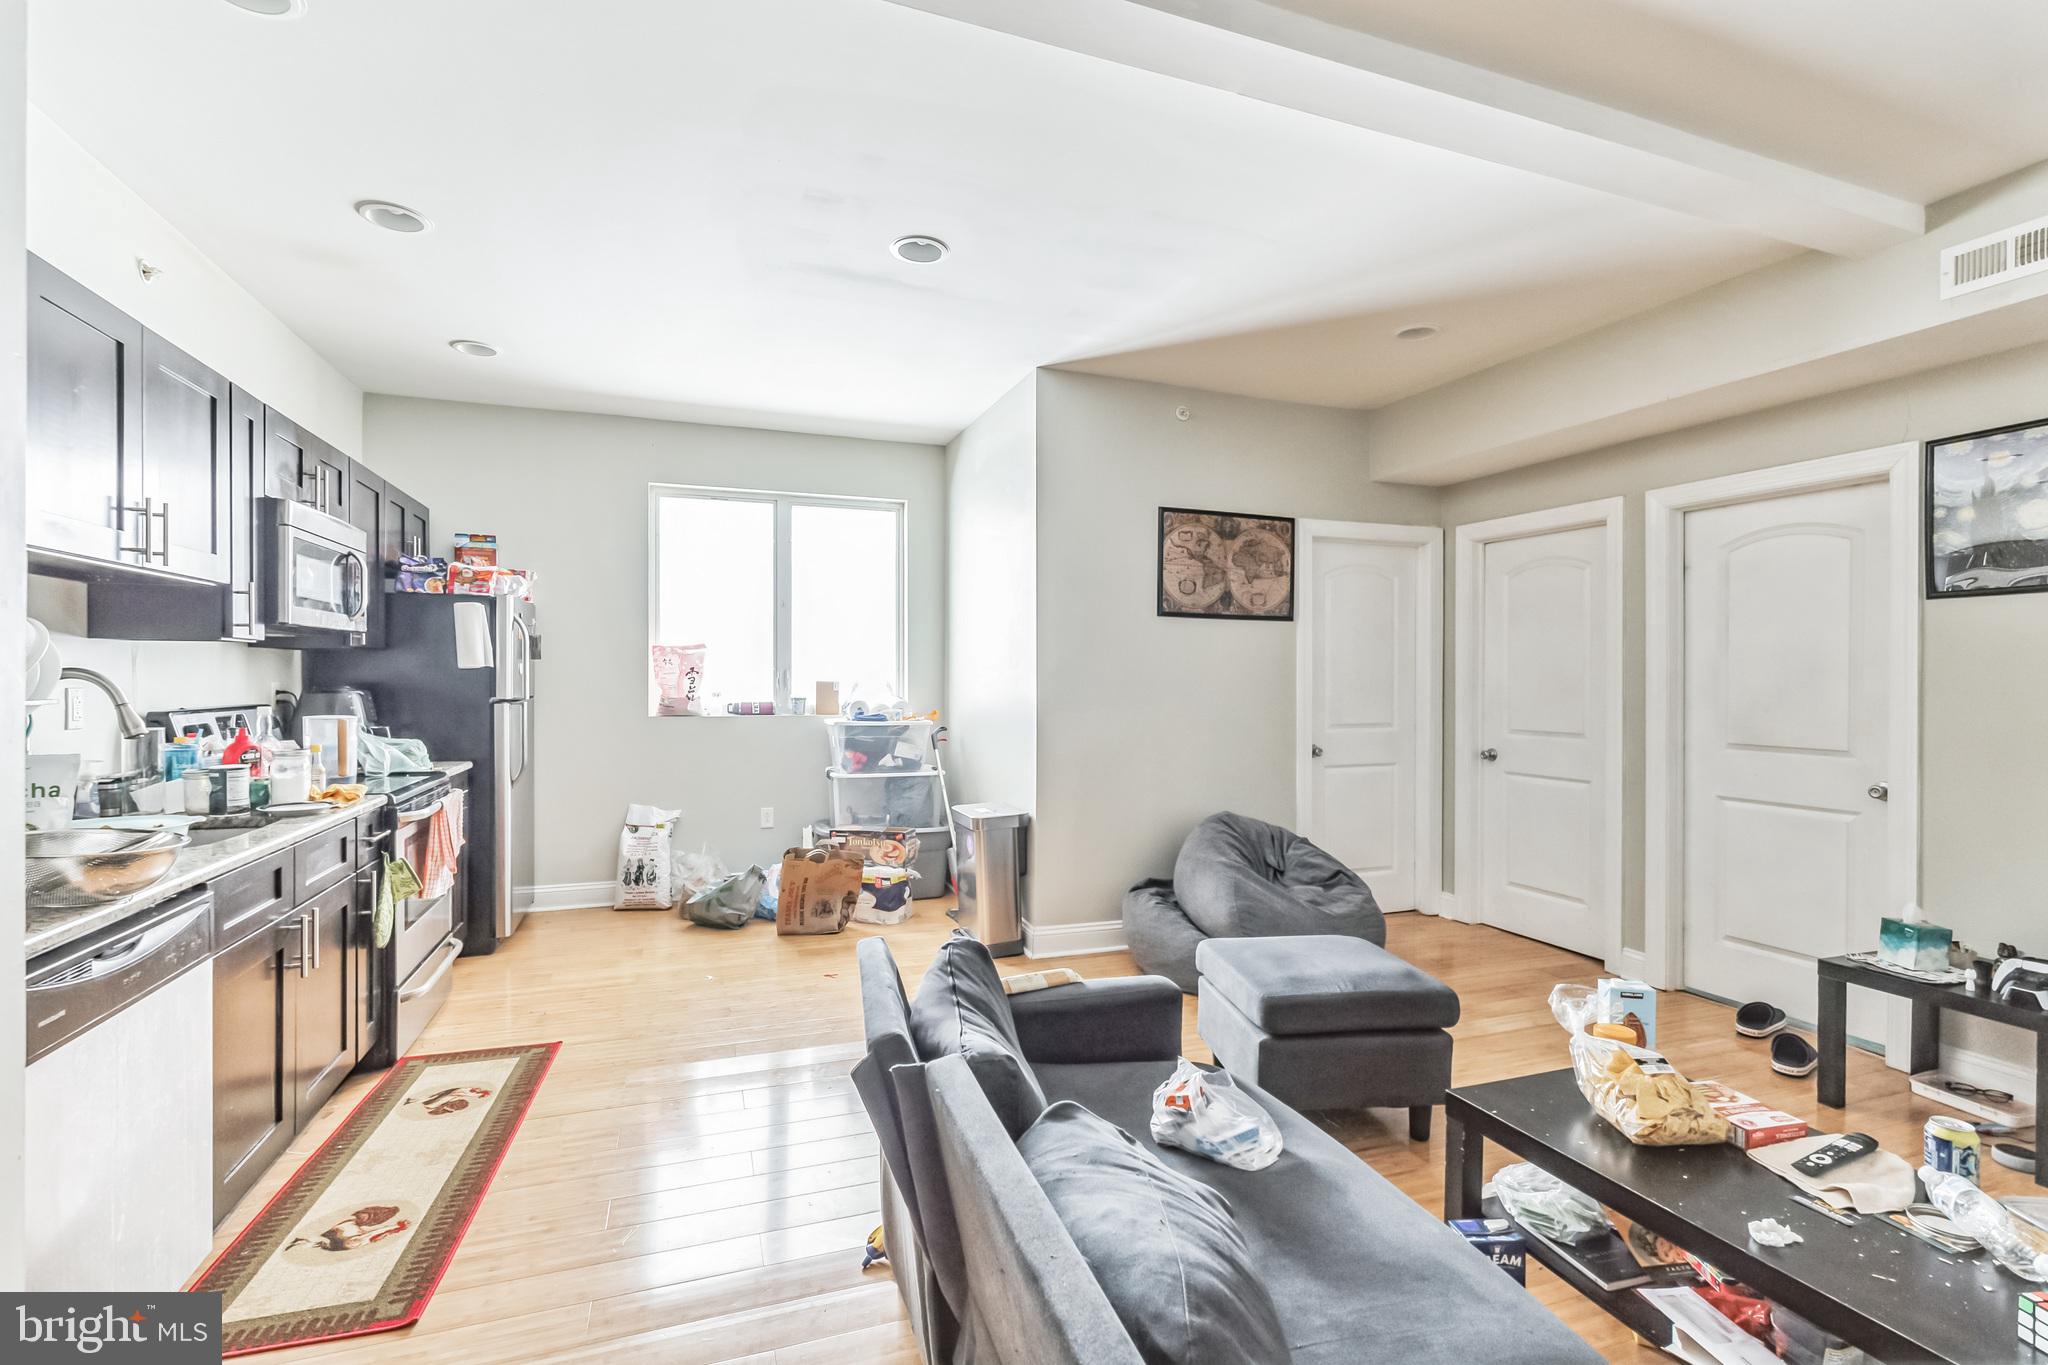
458, 672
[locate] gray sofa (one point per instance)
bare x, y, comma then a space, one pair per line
1358, 1271
1237, 877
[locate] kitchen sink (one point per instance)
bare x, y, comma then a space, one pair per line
201, 837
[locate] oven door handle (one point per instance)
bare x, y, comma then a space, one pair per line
426, 813
412, 993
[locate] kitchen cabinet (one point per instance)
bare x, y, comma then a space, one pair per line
323, 1001
246, 549
408, 530
300, 466
372, 841
85, 371
185, 464
255, 1106
369, 513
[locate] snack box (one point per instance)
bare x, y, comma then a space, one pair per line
1500, 1241
417, 573
1631, 1004
471, 579
473, 547
1751, 1123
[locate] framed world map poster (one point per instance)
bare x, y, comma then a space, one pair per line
1225, 564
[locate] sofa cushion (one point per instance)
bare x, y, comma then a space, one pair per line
960, 1008
1324, 983
1359, 1271
1164, 1248
1237, 877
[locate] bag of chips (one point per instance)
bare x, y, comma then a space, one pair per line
1631, 1087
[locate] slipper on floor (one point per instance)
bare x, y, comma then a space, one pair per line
1758, 1019
1792, 1055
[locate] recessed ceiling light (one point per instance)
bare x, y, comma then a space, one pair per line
919, 249
392, 217
272, 9
473, 348
1420, 332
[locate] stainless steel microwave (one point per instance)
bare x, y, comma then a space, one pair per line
319, 578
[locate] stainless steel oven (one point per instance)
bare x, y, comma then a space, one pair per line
415, 968
319, 579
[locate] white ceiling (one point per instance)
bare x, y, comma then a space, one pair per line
684, 209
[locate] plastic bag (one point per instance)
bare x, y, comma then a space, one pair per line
646, 872
771, 894
730, 904
1541, 1202
1205, 1113
678, 679
1633, 1088
377, 755
698, 871
1991, 1223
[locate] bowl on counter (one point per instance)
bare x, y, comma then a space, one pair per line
68, 868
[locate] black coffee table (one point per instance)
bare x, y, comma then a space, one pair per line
1873, 1285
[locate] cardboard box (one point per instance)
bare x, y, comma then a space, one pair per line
1631, 1004
1751, 1122
890, 847
820, 889
475, 547
1500, 1241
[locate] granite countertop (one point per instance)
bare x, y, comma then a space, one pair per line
50, 927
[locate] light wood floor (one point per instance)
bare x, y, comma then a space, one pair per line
697, 1177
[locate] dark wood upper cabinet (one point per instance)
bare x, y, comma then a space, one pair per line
84, 477
245, 543
300, 466
370, 512
186, 463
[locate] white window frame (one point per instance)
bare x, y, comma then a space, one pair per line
784, 504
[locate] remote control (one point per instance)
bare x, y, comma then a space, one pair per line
1826, 1160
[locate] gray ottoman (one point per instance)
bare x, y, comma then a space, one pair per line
1328, 1022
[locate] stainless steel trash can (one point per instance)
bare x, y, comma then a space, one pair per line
989, 853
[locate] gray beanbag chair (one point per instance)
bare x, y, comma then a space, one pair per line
1242, 878
1162, 940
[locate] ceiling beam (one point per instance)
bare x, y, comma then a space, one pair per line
1264, 52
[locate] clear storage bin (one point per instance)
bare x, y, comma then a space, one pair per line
888, 800
877, 746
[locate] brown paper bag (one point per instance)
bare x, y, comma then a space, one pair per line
820, 888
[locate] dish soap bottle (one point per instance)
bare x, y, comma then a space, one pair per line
316, 768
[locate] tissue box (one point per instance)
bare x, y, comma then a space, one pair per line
1632, 1004
1918, 945
1500, 1241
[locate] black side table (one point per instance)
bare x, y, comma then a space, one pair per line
1837, 974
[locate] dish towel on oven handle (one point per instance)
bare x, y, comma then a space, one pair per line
443, 847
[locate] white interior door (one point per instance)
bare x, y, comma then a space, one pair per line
1787, 724
1363, 790
1543, 734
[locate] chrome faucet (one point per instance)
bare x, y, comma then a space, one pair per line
131, 724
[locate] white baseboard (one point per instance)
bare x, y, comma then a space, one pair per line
1993, 1073
573, 896
1447, 907
1072, 940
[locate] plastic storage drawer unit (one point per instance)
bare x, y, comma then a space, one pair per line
889, 800
880, 746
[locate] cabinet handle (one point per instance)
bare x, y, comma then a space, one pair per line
163, 514
121, 526
309, 944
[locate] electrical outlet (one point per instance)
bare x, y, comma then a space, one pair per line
74, 708
767, 817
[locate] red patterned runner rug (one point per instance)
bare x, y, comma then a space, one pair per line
359, 1237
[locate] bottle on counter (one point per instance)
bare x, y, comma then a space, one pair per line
316, 768
242, 749
85, 797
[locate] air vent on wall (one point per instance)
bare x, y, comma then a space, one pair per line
2002, 256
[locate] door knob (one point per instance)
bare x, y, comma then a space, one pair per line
1488, 755
1880, 791
1315, 751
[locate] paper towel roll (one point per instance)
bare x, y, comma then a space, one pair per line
473, 637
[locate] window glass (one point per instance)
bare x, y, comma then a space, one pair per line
845, 600
716, 588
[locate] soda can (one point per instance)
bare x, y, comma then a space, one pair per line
1952, 1146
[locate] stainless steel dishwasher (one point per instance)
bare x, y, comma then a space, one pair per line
118, 1104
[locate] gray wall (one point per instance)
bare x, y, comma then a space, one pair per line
992, 604
1146, 724
566, 495
1984, 739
